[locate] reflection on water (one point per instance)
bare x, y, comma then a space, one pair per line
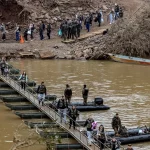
124, 87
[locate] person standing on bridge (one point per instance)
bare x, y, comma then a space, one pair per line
62, 107
23, 77
41, 90
73, 114
85, 92
3, 65
88, 124
68, 93
101, 136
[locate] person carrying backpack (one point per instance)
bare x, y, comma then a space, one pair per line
41, 93
62, 107
73, 113
88, 125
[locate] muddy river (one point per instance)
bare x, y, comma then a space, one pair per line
124, 87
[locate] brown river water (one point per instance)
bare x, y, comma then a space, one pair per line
124, 87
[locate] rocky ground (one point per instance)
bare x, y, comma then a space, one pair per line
35, 10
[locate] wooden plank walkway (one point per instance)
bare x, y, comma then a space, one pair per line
51, 113
86, 35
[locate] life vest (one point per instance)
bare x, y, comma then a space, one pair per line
73, 113
62, 104
41, 89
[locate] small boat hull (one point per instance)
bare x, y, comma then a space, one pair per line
21, 107
8, 92
14, 71
31, 83
60, 134
128, 59
68, 146
134, 139
48, 124
92, 108
13, 99
31, 115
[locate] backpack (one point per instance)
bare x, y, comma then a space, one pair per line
123, 131
89, 125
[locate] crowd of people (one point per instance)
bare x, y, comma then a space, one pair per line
90, 124
69, 28
64, 111
72, 112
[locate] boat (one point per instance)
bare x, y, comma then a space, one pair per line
134, 135
68, 146
128, 59
134, 139
60, 134
21, 107
7, 91
96, 104
33, 115
14, 71
19, 98
48, 124
32, 107
13, 99
30, 83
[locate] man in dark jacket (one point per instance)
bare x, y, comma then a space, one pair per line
68, 93
49, 31
41, 30
62, 106
26, 34
99, 17
41, 93
116, 123
85, 92
73, 114
88, 124
116, 11
87, 23
78, 26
